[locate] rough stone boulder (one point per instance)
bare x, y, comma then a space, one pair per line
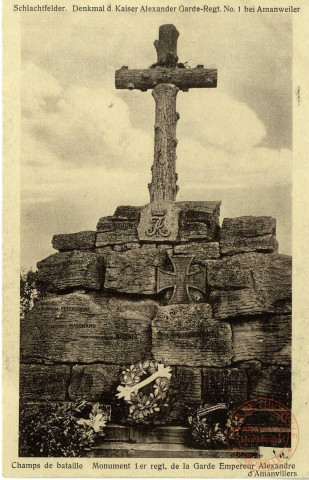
250, 284
128, 211
224, 385
266, 339
119, 228
74, 241
272, 382
65, 270
104, 308
202, 251
235, 303
188, 335
88, 328
93, 382
47, 382
116, 230
134, 270
190, 379
248, 234
198, 221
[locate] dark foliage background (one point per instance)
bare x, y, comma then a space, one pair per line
31, 290
51, 430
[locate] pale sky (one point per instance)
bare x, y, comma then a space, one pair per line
87, 147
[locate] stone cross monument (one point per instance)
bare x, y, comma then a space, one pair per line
166, 78
162, 281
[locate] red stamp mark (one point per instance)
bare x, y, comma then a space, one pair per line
262, 422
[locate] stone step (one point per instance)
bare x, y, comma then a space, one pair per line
159, 442
157, 450
166, 435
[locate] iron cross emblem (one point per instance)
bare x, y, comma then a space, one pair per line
181, 279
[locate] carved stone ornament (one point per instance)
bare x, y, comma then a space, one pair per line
159, 223
181, 280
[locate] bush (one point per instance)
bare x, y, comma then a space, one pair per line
58, 430
31, 290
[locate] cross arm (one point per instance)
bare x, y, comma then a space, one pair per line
165, 280
197, 280
183, 78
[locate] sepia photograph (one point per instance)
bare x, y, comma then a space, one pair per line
156, 175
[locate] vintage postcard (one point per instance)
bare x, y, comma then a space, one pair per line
155, 169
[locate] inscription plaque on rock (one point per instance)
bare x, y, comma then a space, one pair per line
116, 230
88, 328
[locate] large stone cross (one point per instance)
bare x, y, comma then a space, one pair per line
166, 78
181, 279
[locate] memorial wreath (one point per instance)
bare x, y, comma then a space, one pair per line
151, 404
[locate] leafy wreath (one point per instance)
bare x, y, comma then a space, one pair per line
146, 408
